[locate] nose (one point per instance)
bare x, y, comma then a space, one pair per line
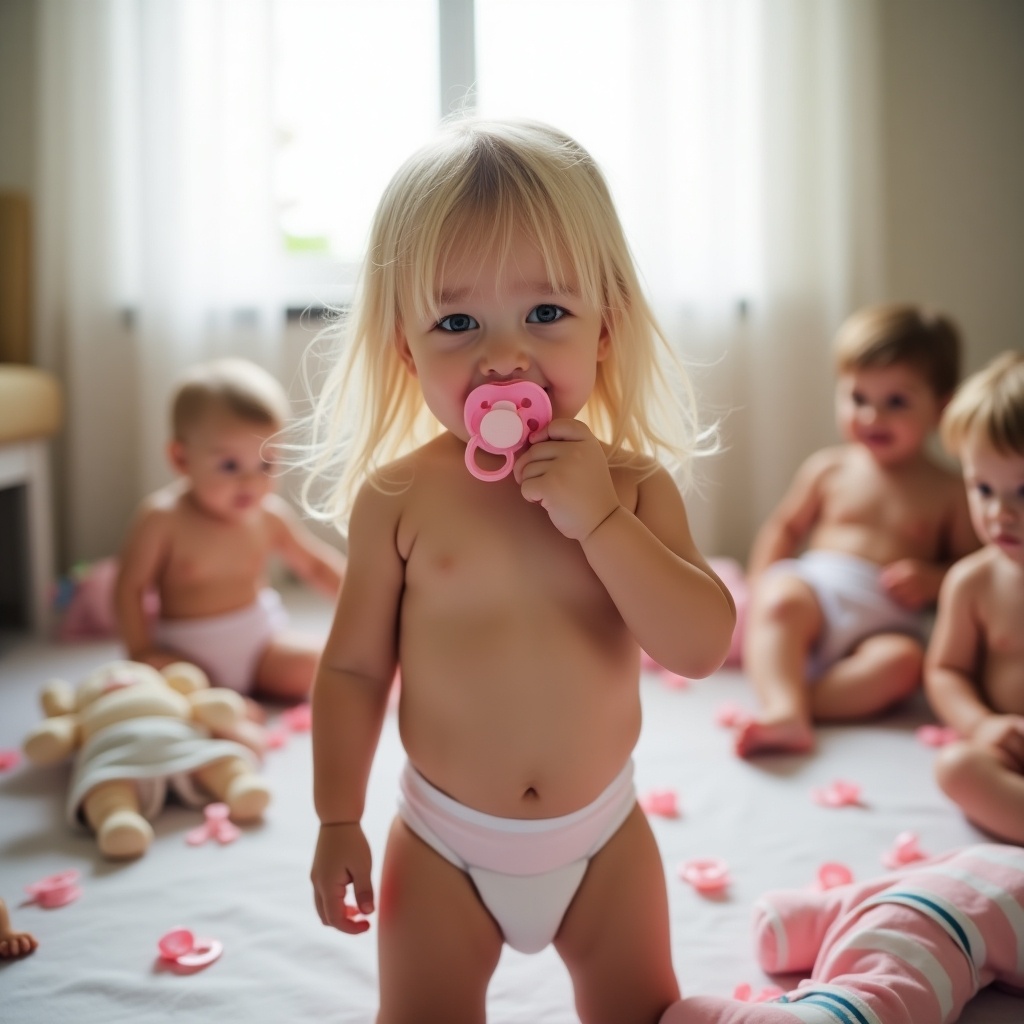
504, 353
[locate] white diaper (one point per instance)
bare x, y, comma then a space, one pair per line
853, 603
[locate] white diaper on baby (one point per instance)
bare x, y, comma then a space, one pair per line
853, 603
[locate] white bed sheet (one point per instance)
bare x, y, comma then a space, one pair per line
97, 960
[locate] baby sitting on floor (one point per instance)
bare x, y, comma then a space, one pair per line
909, 947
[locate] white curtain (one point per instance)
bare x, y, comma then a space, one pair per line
742, 142
156, 228
741, 139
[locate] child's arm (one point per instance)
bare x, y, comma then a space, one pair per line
313, 560
349, 700
782, 534
141, 558
680, 612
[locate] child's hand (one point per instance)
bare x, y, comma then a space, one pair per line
342, 859
1003, 734
912, 583
566, 471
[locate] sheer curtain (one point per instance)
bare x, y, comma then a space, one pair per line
741, 140
156, 227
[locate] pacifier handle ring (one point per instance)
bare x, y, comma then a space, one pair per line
487, 475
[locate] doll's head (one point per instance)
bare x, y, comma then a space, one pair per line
486, 185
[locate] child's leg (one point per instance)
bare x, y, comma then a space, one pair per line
785, 620
615, 936
882, 670
438, 945
988, 790
287, 667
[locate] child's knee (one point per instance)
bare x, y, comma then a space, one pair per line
789, 928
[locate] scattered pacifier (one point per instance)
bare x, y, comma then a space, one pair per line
55, 890
838, 794
706, 874
906, 849
217, 826
9, 759
181, 947
833, 874
731, 715
936, 735
500, 418
660, 802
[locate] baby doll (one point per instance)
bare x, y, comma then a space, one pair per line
910, 947
138, 731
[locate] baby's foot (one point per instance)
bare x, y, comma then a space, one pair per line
13, 943
785, 736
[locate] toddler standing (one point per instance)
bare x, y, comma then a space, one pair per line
517, 607
204, 542
838, 632
974, 675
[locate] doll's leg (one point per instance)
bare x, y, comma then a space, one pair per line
882, 670
287, 666
614, 938
785, 620
438, 946
112, 811
232, 781
12, 942
989, 791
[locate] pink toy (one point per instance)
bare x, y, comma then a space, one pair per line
831, 875
936, 735
745, 993
707, 875
910, 947
500, 418
55, 890
732, 715
180, 946
217, 826
9, 759
905, 850
838, 794
662, 802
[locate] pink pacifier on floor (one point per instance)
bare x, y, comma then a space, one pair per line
180, 946
500, 418
55, 890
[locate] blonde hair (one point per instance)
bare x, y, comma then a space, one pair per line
235, 385
991, 400
894, 334
500, 180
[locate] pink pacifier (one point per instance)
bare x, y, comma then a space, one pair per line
181, 947
500, 418
55, 890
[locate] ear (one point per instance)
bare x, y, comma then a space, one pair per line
404, 352
604, 343
176, 456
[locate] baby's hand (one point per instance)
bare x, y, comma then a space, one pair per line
342, 859
1004, 735
566, 470
912, 583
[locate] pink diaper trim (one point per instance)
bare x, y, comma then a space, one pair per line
512, 846
227, 647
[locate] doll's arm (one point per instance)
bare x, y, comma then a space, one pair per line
313, 560
349, 701
52, 740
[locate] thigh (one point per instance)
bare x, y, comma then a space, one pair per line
438, 944
287, 666
615, 936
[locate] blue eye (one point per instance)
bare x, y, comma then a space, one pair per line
457, 323
545, 314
